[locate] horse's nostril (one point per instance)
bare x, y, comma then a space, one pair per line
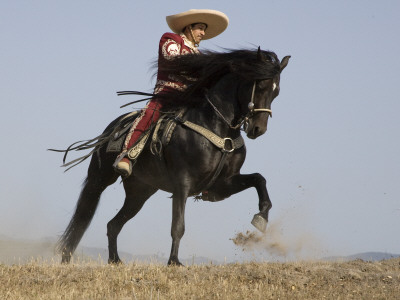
257, 131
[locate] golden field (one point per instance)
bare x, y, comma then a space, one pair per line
294, 280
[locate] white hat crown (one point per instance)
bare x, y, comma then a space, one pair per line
215, 20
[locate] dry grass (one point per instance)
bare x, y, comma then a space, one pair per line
297, 280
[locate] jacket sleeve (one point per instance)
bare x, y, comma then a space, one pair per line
170, 45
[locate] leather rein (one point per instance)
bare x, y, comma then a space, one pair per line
244, 119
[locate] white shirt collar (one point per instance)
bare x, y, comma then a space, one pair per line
189, 43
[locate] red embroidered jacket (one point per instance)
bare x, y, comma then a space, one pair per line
171, 44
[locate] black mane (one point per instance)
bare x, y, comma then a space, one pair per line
201, 72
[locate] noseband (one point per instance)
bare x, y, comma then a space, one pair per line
252, 110
244, 120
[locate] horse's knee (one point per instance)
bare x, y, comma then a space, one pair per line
259, 179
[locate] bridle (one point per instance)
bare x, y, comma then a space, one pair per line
244, 120
252, 110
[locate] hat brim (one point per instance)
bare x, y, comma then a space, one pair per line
216, 21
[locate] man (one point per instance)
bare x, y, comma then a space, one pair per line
190, 28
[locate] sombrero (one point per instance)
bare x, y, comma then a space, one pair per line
216, 21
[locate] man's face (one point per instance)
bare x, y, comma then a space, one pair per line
199, 31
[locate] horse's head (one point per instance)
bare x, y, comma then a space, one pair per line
263, 92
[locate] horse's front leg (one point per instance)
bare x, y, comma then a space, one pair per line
240, 182
178, 225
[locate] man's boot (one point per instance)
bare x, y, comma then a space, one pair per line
123, 166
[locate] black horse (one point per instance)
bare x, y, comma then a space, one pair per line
227, 91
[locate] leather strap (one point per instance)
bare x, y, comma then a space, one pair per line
219, 142
217, 171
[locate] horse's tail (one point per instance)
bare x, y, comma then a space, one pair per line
100, 175
84, 212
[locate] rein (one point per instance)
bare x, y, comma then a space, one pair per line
243, 120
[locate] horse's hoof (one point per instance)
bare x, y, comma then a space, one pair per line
66, 259
259, 222
115, 261
175, 263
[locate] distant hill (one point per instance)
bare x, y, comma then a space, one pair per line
96, 253
366, 256
19, 251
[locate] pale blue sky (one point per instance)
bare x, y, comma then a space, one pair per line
330, 156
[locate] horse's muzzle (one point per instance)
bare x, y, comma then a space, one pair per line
255, 131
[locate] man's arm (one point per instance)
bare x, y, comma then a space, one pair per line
170, 45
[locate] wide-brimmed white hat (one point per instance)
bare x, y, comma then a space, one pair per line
215, 20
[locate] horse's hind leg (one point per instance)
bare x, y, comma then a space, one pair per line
96, 182
136, 195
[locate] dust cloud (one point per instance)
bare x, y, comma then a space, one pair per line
275, 244
19, 251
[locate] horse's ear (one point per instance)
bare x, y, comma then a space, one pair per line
284, 62
259, 55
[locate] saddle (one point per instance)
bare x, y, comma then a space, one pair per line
160, 133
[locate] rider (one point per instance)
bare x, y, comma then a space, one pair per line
189, 27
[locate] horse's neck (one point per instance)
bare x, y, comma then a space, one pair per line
220, 110
224, 96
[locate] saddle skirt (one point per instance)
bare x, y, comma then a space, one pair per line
160, 133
